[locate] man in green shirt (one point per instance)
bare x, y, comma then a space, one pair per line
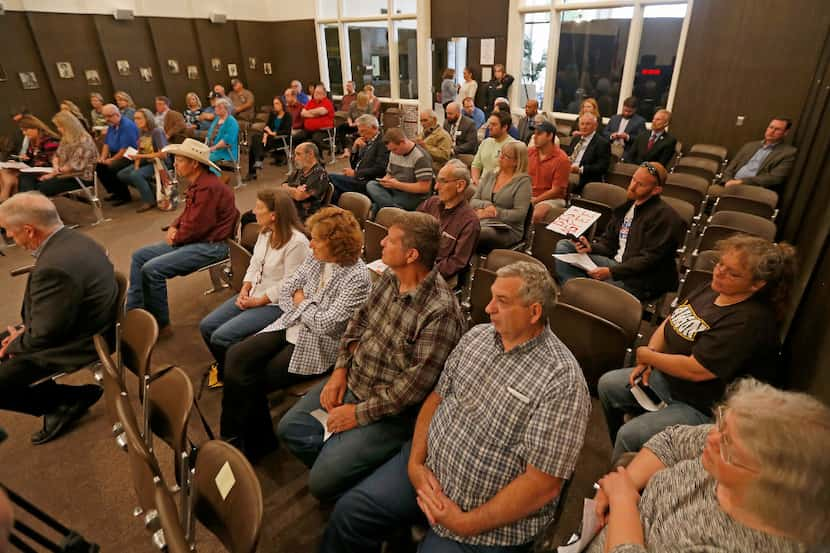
487, 156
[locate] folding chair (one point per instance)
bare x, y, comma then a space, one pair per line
328, 195
687, 187
695, 277
90, 195
702, 167
724, 224
714, 152
359, 204
171, 536
544, 246
606, 301
240, 259
748, 199
331, 138
620, 174
603, 198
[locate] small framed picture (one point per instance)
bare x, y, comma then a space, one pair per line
251, 63
173, 66
65, 70
123, 67
232, 72
216, 64
192, 72
29, 80
3, 76
146, 74
266, 68
92, 77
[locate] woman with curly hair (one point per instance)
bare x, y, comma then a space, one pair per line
317, 302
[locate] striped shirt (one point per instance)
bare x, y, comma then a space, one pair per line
412, 167
500, 412
403, 341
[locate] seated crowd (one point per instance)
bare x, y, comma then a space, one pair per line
474, 432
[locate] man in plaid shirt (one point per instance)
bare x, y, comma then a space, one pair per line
493, 443
389, 360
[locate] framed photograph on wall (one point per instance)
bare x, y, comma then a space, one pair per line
3, 76
173, 66
146, 74
29, 80
92, 77
216, 64
266, 68
123, 67
251, 63
192, 72
65, 70
232, 72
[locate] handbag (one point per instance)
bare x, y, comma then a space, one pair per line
167, 191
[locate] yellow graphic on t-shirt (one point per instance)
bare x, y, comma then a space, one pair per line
686, 323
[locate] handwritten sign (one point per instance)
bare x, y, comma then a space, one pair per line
575, 221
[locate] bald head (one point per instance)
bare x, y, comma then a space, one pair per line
453, 112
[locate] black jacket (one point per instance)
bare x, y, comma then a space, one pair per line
496, 89
466, 142
595, 160
370, 161
285, 123
648, 263
70, 296
663, 150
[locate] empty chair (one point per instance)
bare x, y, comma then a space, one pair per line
684, 209
359, 204
699, 166
709, 151
748, 199
172, 532
169, 405
112, 381
605, 300
687, 187
327, 196
620, 174
544, 241
226, 496
726, 223
387, 216
373, 233
240, 259
249, 235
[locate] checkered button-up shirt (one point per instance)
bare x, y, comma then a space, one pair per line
323, 314
403, 341
501, 411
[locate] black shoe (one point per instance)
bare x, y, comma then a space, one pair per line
55, 423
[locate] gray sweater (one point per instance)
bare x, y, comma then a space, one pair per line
512, 201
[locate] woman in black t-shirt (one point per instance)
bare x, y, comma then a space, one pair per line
722, 331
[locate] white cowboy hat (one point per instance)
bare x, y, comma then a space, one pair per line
192, 149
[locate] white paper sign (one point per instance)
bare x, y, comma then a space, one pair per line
486, 74
225, 480
581, 260
130, 152
37, 170
322, 417
645, 401
488, 51
590, 527
377, 266
575, 220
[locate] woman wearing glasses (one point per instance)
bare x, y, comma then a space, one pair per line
747, 483
722, 331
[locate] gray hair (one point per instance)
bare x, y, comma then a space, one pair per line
429, 113
312, 147
29, 208
459, 171
110, 107
367, 120
538, 286
589, 116
227, 103
792, 491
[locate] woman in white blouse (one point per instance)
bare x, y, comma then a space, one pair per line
282, 246
469, 87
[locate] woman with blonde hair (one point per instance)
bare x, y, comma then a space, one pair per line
588, 105
151, 141
722, 331
346, 132
71, 107
96, 114
193, 109
317, 302
756, 480
43, 142
502, 199
76, 156
125, 104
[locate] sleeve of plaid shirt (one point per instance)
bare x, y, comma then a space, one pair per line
330, 321
432, 347
554, 436
358, 323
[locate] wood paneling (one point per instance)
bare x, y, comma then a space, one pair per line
295, 53
176, 39
256, 40
219, 41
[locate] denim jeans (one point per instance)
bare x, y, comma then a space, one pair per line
566, 271
228, 324
388, 197
371, 511
137, 178
343, 183
617, 400
152, 265
347, 457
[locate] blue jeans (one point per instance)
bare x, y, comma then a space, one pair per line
347, 457
228, 324
566, 271
152, 265
388, 197
137, 178
344, 183
617, 400
371, 511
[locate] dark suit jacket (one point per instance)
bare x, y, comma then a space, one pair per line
635, 126
467, 140
70, 296
595, 160
370, 161
663, 150
526, 128
773, 171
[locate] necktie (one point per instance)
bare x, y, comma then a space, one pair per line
651, 140
577, 149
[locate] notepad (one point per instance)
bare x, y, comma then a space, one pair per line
322, 417
130, 152
581, 260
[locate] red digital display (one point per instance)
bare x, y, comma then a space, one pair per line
651, 71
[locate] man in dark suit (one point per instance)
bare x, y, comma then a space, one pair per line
527, 124
368, 160
461, 129
658, 145
70, 297
623, 128
766, 162
590, 155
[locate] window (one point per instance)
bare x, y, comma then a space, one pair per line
369, 52
365, 8
407, 59
332, 43
655, 62
534, 56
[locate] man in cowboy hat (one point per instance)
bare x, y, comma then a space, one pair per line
195, 239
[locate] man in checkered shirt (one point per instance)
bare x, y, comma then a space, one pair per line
493, 443
389, 360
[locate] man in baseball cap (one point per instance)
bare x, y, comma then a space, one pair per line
548, 167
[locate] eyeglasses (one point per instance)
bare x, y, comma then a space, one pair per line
725, 444
652, 170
